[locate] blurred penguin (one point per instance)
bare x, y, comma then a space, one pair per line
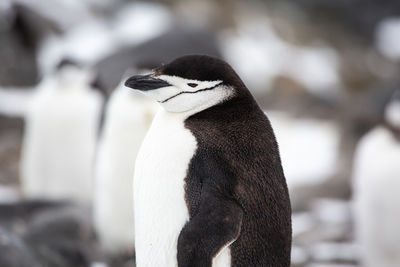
376, 190
60, 137
127, 119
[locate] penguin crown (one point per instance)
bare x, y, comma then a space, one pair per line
190, 83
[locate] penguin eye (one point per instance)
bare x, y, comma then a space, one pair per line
192, 84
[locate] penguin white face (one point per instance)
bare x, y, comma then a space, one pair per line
188, 84
177, 94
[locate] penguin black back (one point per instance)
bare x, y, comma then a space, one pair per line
237, 139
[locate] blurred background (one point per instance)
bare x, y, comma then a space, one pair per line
325, 72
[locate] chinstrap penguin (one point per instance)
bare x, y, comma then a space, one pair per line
209, 188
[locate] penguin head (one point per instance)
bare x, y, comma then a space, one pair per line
190, 83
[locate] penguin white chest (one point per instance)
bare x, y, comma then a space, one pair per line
159, 194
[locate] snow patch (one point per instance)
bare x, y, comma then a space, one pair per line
387, 37
259, 55
14, 102
139, 22
308, 148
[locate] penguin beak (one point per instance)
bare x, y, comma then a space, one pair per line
145, 83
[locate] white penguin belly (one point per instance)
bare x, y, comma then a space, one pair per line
159, 196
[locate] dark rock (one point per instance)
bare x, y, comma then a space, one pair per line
21, 30
16, 215
61, 237
14, 252
10, 146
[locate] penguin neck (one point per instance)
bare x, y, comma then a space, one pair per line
240, 103
237, 108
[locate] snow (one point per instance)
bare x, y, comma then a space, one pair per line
332, 211
14, 102
315, 67
330, 251
387, 37
139, 22
331, 265
8, 194
259, 55
86, 44
302, 222
308, 147
392, 113
255, 52
299, 255
5, 6
91, 41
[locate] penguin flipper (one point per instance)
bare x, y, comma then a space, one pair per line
216, 225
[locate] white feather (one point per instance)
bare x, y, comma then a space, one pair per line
223, 257
159, 196
175, 98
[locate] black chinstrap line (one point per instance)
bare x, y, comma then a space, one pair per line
189, 92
